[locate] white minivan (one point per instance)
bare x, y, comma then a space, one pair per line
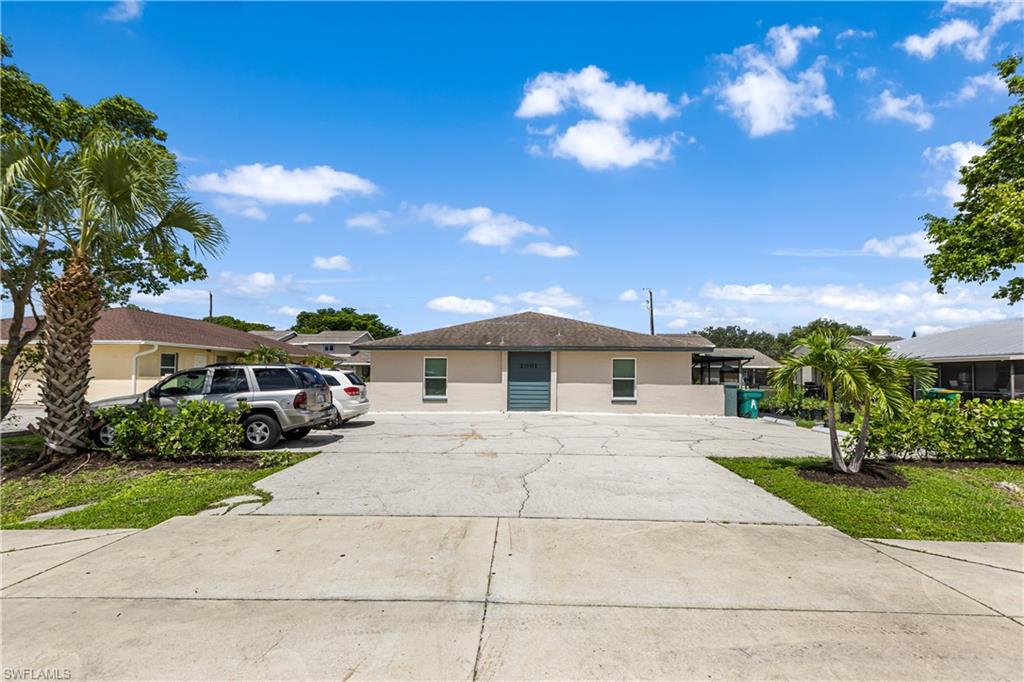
349, 392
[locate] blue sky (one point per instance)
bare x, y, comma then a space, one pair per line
758, 164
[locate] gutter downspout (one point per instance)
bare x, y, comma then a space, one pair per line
135, 364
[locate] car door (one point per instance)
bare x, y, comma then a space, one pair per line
229, 386
189, 384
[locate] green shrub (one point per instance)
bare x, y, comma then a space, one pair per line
940, 429
197, 429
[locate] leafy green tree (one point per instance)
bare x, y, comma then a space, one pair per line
787, 341
35, 125
235, 323
261, 355
985, 239
318, 361
842, 374
886, 393
733, 336
344, 319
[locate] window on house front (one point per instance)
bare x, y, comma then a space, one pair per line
168, 363
328, 347
222, 358
435, 378
624, 379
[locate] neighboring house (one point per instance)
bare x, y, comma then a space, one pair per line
532, 361
811, 376
747, 367
337, 344
983, 361
132, 349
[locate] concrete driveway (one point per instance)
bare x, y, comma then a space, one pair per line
634, 467
260, 598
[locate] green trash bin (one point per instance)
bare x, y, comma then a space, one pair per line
748, 402
941, 394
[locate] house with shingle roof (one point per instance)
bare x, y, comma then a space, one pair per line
132, 349
336, 343
532, 361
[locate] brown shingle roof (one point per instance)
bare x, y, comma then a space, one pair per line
758, 360
534, 331
128, 324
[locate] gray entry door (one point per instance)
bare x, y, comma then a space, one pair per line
529, 381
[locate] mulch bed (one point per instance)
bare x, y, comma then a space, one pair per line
99, 460
871, 475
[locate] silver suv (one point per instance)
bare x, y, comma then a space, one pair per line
284, 400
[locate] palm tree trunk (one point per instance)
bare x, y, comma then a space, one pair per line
73, 304
838, 463
861, 449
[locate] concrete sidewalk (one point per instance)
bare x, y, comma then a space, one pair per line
288, 597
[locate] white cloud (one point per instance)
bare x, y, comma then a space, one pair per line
290, 311
551, 297
853, 33
785, 42
629, 295
953, 32
762, 97
752, 292
331, 263
549, 250
376, 221
486, 227
254, 284
913, 245
867, 73
303, 218
974, 85
279, 185
550, 93
124, 10
244, 208
463, 306
910, 109
604, 141
324, 299
601, 145
949, 158
179, 295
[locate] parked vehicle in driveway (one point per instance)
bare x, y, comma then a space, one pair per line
284, 400
349, 392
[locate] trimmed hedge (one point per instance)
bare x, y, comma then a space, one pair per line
971, 430
197, 429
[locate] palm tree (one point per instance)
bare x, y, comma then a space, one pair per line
262, 354
841, 372
890, 379
115, 191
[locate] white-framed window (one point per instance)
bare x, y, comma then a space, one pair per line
328, 347
435, 378
168, 363
623, 379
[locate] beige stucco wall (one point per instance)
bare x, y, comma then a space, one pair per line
581, 383
664, 384
474, 381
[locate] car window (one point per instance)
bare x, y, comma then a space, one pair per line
184, 383
310, 378
355, 379
229, 380
331, 381
274, 379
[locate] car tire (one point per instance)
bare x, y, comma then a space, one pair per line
103, 436
296, 434
262, 432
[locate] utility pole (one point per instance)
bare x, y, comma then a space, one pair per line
650, 308
211, 305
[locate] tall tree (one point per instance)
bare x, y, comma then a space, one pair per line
787, 341
109, 191
734, 336
235, 323
34, 124
344, 319
985, 239
841, 371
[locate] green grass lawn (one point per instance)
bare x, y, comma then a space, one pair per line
127, 496
939, 503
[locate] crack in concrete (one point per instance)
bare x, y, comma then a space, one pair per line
487, 596
526, 487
